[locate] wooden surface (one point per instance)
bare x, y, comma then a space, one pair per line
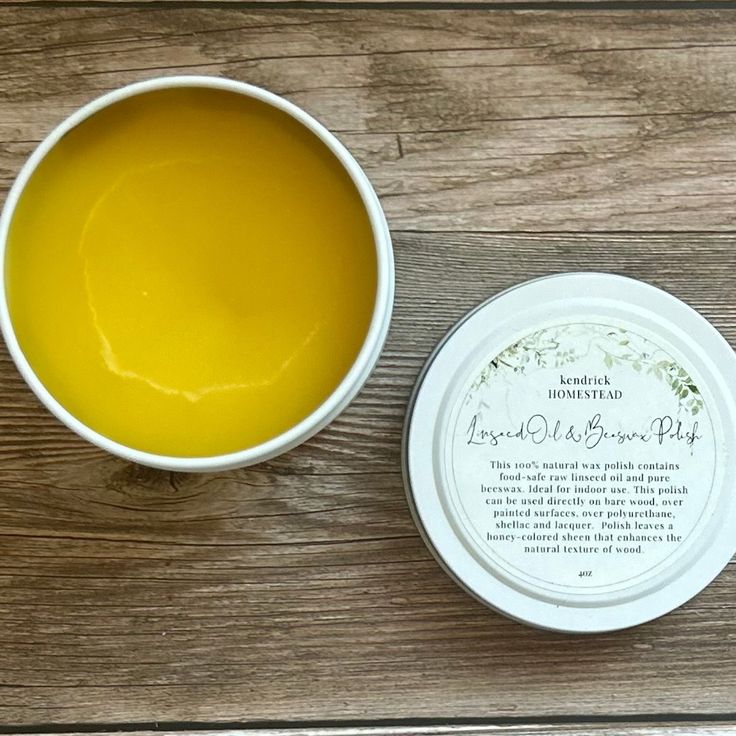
499, 121
545, 729
504, 145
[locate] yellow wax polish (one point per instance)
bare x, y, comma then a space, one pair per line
190, 272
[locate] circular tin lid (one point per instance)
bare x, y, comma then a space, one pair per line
569, 452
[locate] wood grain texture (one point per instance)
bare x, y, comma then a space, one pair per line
299, 589
464, 120
388, 4
709, 728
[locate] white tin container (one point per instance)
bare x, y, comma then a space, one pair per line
569, 453
356, 376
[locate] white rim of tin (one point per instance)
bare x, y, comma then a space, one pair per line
353, 381
664, 314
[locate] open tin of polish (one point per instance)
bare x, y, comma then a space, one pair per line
569, 452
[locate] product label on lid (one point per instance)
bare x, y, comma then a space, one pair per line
580, 458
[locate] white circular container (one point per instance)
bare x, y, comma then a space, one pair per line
353, 380
569, 452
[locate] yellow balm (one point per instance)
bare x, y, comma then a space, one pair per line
190, 272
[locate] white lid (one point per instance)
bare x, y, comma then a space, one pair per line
569, 454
